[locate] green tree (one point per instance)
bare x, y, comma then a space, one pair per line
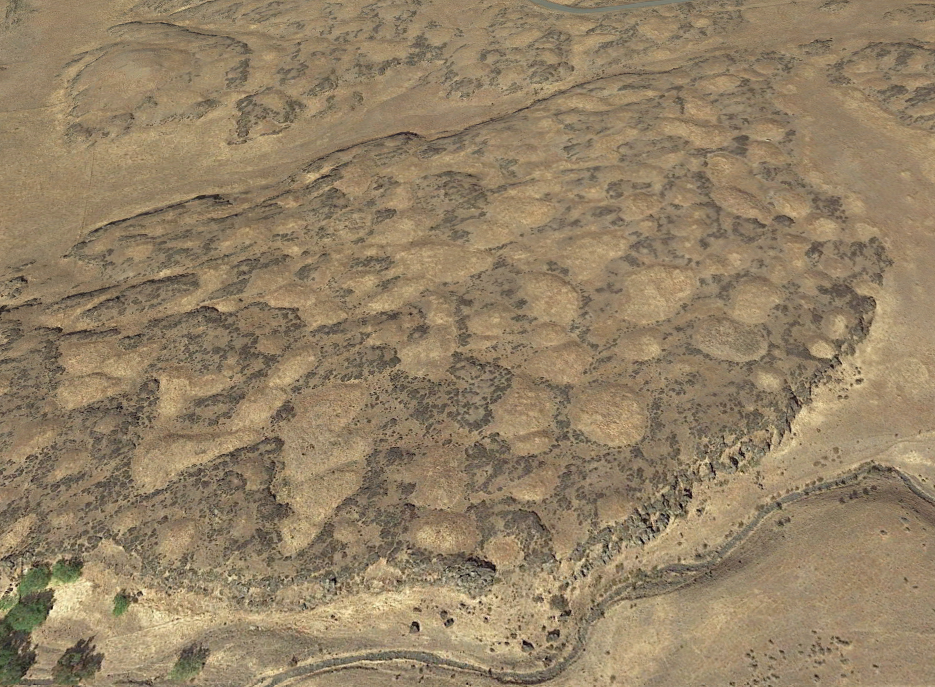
35, 580
67, 571
16, 655
30, 612
77, 663
190, 662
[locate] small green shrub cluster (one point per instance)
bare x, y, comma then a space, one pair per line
191, 661
29, 606
122, 601
35, 580
67, 571
17, 654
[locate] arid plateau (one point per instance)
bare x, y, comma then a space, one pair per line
419, 343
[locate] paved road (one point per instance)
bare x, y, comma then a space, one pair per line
595, 10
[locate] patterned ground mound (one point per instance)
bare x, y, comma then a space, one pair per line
446, 359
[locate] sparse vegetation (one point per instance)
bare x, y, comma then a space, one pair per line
67, 571
35, 580
78, 663
191, 661
29, 612
122, 601
26, 609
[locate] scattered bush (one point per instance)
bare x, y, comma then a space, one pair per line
190, 662
30, 612
16, 656
77, 663
67, 571
122, 602
35, 580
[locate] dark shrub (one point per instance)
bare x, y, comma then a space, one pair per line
190, 662
30, 612
77, 663
16, 655
122, 601
67, 570
35, 580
